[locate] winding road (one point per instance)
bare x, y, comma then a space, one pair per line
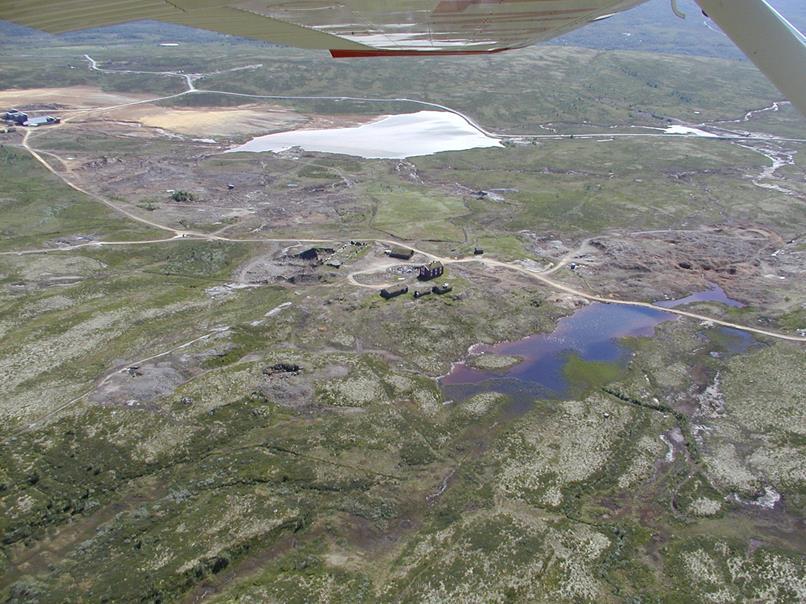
181, 234
191, 79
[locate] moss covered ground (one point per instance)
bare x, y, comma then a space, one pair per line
174, 429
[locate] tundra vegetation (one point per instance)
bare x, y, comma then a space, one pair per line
215, 418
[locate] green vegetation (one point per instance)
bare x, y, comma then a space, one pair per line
183, 196
218, 418
628, 81
585, 376
409, 213
37, 207
586, 187
494, 362
764, 390
793, 320
714, 568
506, 247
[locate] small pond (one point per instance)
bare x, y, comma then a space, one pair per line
592, 333
714, 293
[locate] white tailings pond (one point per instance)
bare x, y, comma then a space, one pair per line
689, 131
391, 137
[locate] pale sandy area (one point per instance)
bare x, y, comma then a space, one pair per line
216, 121
207, 122
71, 97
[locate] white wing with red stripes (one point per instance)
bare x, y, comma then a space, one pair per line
360, 28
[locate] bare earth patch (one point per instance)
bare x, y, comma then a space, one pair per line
215, 121
69, 97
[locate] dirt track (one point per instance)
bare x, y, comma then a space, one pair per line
445, 260
489, 262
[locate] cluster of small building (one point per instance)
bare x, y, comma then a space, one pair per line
20, 118
393, 291
323, 255
425, 272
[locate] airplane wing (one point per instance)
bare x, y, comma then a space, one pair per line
362, 28
776, 47
347, 27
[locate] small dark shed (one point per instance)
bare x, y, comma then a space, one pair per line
431, 270
393, 291
403, 253
442, 289
419, 293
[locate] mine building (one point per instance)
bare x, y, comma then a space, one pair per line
432, 270
442, 289
419, 293
403, 253
315, 254
18, 117
45, 120
393, 291
478, 251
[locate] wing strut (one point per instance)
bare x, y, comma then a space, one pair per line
769, 40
